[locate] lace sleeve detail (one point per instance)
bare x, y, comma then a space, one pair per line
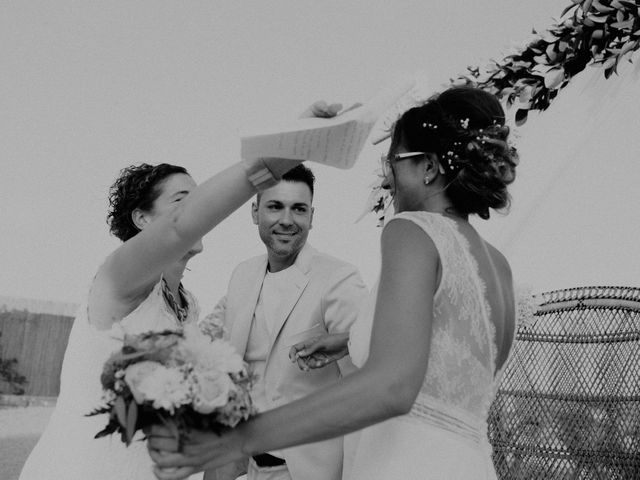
213, 327
213, 324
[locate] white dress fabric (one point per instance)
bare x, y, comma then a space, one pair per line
67, 448
444, 436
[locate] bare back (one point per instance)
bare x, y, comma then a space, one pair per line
495, 272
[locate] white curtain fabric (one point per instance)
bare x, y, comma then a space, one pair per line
575, 215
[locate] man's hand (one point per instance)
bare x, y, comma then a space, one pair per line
320, 351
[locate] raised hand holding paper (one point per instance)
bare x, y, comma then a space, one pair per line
333, 141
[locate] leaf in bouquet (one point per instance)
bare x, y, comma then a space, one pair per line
111, 428
121, 411
132, 419
98, 411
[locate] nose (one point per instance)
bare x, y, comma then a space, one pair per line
286, 218
386, 184
197, 248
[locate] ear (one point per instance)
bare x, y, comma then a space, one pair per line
432, 166
254, 213
140, 218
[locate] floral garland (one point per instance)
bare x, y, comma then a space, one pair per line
596, 32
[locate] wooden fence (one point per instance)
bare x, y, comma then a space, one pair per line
38, 341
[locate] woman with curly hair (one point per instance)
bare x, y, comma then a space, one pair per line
434, 337
160, 216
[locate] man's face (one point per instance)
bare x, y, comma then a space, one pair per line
284, 217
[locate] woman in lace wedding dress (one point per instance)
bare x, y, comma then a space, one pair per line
160, 215
438, 328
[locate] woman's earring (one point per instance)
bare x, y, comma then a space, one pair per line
426, 180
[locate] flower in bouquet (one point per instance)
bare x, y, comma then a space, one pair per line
182, 378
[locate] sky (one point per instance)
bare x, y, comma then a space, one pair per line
90, 87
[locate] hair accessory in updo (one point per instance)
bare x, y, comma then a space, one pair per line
465, 127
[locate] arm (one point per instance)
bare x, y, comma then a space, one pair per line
341, 306
130, 272
386, 386
342, 299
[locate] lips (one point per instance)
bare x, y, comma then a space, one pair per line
285, 236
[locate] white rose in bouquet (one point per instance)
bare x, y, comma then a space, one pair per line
199, 350
211, 390
166, 388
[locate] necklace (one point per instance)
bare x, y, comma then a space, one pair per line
180, 312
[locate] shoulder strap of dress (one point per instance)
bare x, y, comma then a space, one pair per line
434, 225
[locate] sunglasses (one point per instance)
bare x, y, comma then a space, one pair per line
385, 161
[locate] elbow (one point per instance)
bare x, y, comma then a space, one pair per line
400, 397
403, 403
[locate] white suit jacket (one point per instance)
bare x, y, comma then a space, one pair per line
325, 296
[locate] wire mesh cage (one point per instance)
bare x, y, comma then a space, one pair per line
568, 405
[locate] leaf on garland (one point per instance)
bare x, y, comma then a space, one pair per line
602, 8
624, 24
553, 78
598, 18
628, 47
629, 5
521, 116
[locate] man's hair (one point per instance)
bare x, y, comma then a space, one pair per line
299, 173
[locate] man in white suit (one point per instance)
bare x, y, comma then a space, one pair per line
291, 294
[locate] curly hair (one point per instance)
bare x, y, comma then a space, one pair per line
465, 127
136, 187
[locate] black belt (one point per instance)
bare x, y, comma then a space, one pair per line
266, 460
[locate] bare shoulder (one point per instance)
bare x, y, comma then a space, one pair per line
404, 237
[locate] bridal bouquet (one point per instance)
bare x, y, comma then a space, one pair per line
183, 379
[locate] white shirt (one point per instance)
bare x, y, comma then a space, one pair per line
262, 333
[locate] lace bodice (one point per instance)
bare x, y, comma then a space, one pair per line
460, 380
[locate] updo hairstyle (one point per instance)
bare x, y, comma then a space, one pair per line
465, 127
137, 186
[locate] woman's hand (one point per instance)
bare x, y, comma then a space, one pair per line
200, 451
320, 351
322, 109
